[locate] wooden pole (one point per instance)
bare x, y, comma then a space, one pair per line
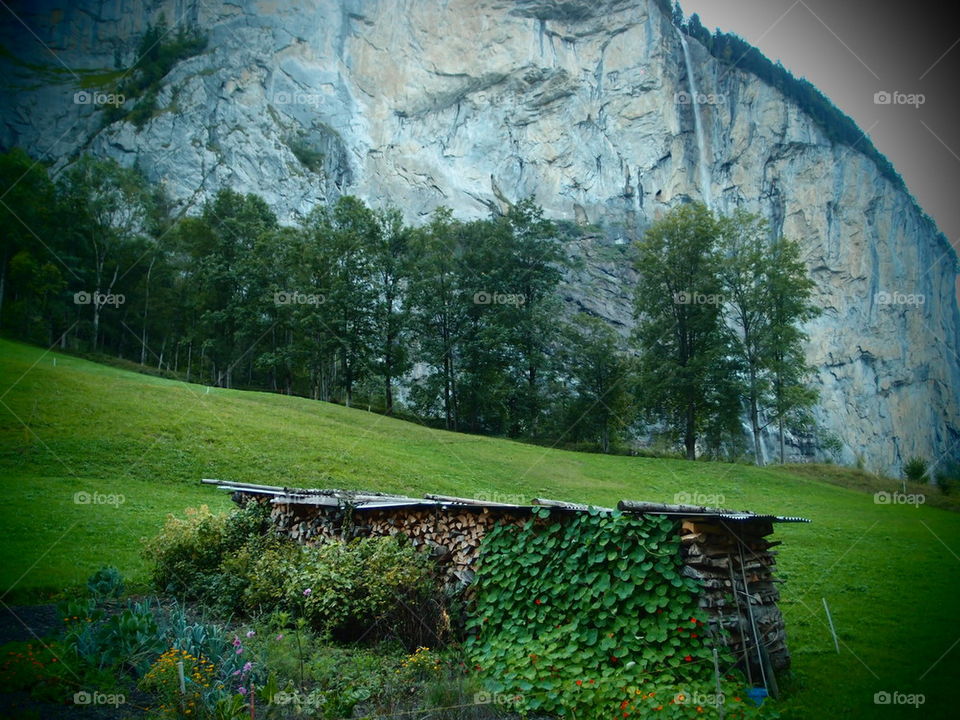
716, 674
183, 684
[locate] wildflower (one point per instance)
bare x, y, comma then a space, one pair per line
579, 682
242, 690
251, 633
307, 592
247, 667
687, 658
280, 636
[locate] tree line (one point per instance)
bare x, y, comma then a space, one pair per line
456, 323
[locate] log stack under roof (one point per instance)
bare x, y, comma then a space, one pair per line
727, 552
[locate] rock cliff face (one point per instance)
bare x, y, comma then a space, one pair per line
477, 103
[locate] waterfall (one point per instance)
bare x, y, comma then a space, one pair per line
698, 126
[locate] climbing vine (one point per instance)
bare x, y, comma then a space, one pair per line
590, 616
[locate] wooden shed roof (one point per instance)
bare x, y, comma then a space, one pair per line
362, 500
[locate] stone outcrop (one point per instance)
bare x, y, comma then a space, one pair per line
477, 103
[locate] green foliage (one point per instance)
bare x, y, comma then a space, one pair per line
37, 668
370, 587
309, 157
129, 440
767, 296
582, 615
687, 371
948, 477
106, 583
367, 587
915, 468
188, 553
600, 405
160, 49
125, 640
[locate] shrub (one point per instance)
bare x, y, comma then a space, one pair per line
915, 468
948, 477
106, 583
188, 552
368, 587
265, 565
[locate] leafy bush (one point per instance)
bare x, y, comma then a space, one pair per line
589, 616
948, 477
265, 565
106, 583
126, 640
367, 587
915, 468
188, 552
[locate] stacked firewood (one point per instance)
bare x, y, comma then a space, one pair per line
732, 560
451, 534
735, 564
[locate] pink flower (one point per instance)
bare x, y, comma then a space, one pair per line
236, 641
280, 636
239, 651
251, 633
242, 690
246, 668
307, 592
236, 672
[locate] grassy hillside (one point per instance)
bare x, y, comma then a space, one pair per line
890, 573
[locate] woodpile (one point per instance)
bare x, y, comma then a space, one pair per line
735, 564
452, 534
727, 552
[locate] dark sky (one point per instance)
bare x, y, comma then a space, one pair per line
852, 49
